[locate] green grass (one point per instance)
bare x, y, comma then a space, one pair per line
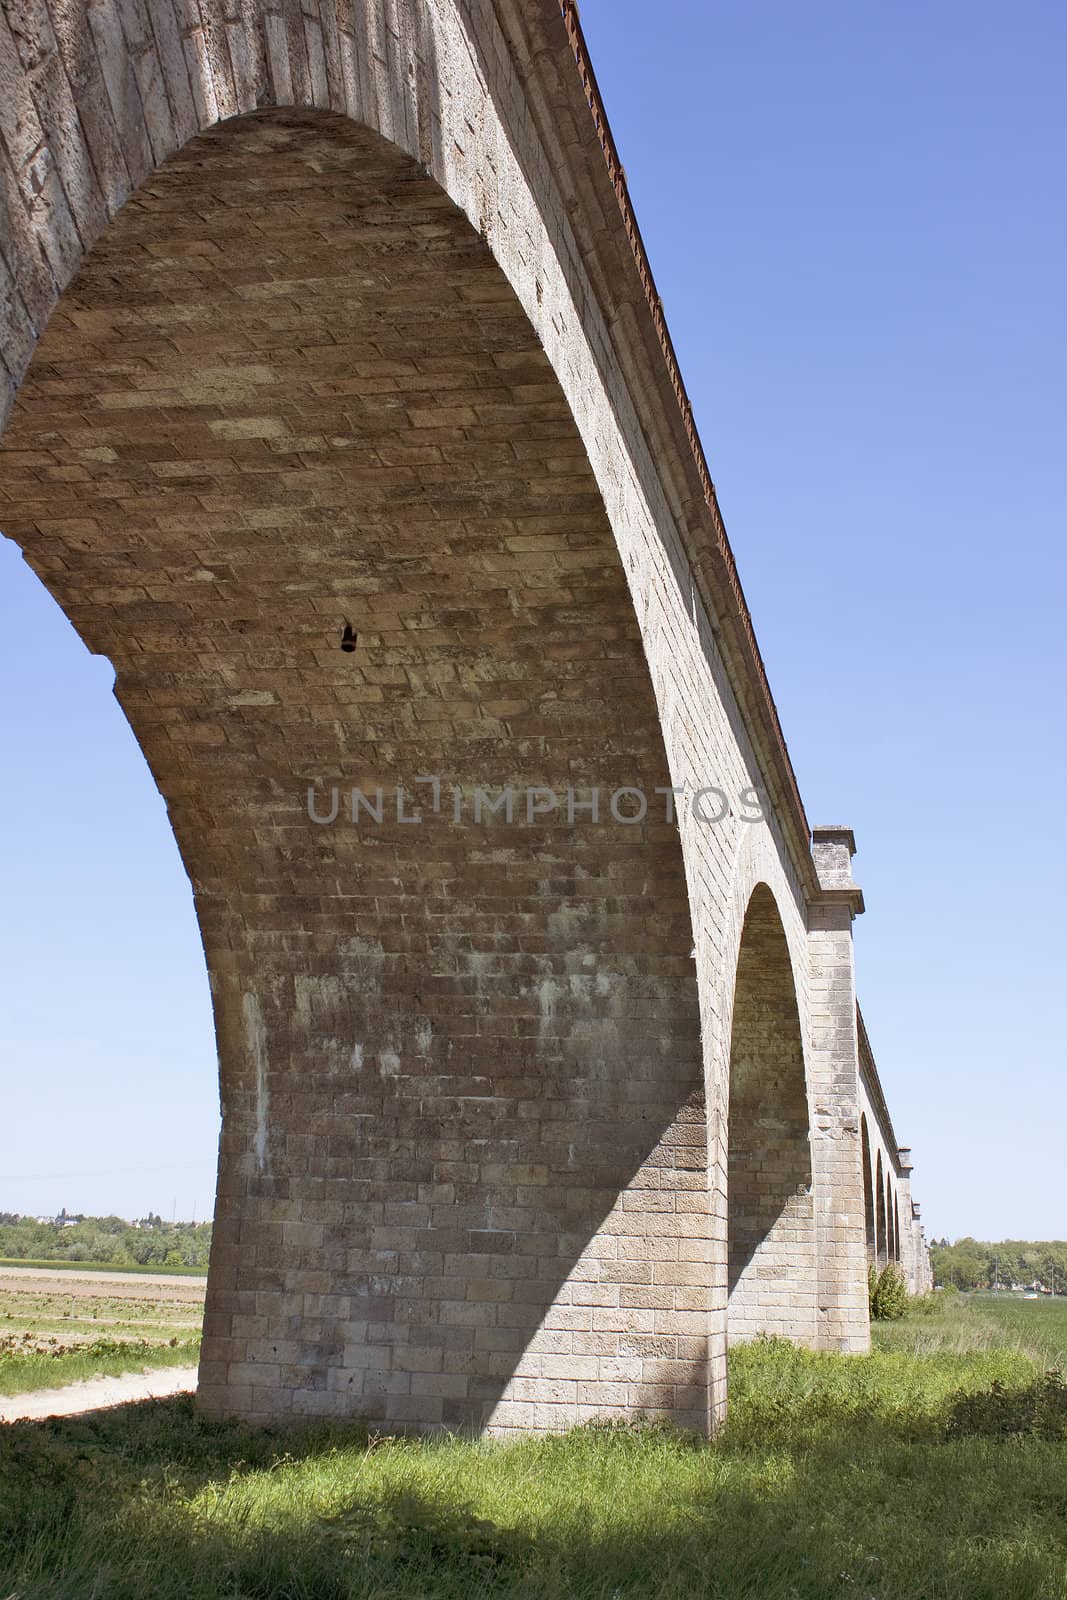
1038, 1325
836, 1477
29, 1362
103, 1266
86, 1326
52, 1334
1037, 1328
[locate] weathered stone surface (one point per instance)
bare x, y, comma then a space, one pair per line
772, 1257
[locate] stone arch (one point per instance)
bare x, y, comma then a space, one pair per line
484, 100
771, 1250
462, 1169
881, 1227
870, 1230
896, 1227
889, 1249
487, 101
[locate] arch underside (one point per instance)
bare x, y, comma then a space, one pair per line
881, 1206
772, 1249
879, 1188
870, 1228
463, 1162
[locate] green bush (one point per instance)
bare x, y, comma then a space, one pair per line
926, 1305
887, 1293
1039, 1409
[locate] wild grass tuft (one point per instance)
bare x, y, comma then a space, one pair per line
32, 1361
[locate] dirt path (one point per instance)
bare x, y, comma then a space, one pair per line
94, 1394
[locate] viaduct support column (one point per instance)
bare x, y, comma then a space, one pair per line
842, 1321
924, 1272
909, 1261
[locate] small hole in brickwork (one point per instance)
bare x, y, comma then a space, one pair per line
349, 639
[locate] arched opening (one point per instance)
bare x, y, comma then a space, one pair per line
110, 1089
290, 454
868, 1191
771, 1221
882, 1229
896, 1226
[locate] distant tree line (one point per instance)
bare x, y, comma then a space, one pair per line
978, 1264
149, 1241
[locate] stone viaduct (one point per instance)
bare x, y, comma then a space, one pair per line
342, 416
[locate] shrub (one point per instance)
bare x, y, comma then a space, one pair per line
887, 1293
1040, 1409
925, 1305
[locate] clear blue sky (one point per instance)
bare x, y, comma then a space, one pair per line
856, 217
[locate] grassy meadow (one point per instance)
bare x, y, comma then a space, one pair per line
934, 1469
56, 1330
